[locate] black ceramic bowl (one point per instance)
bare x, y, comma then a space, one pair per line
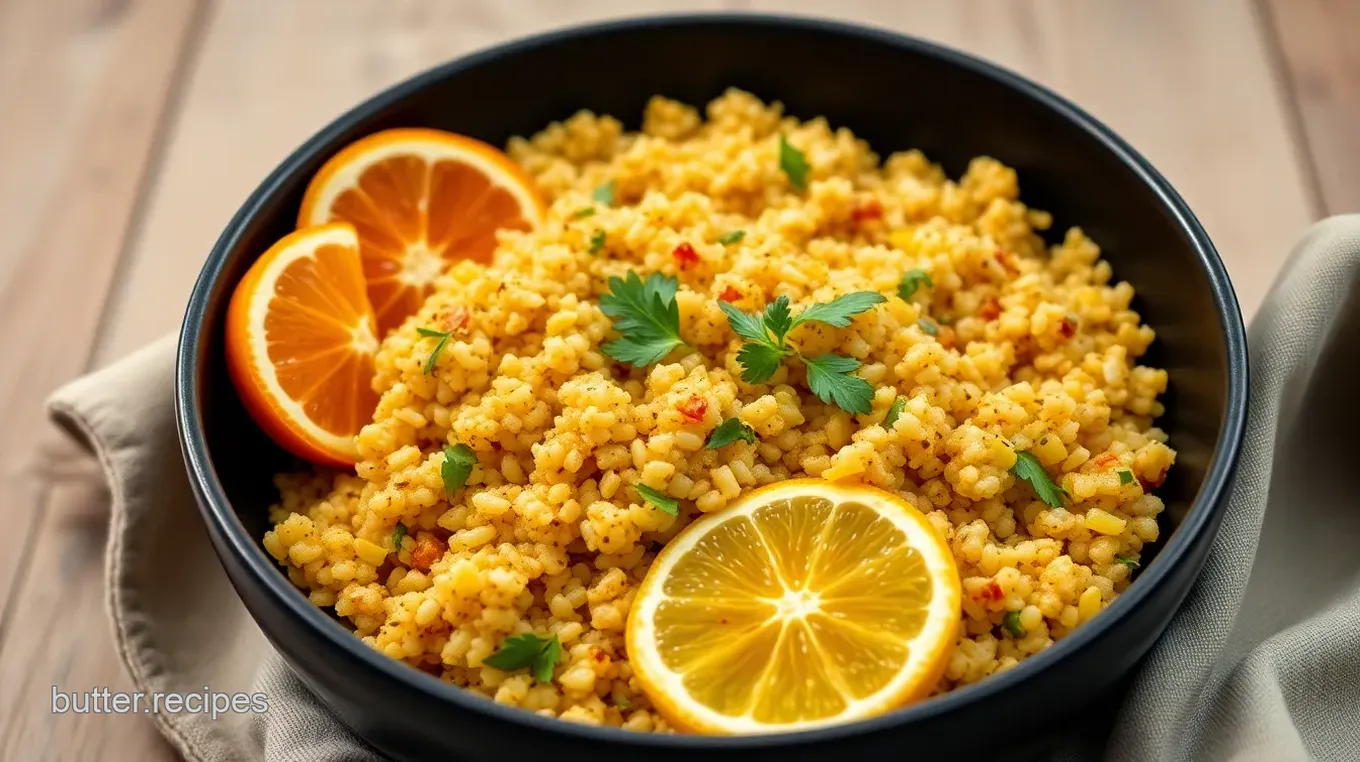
892, 90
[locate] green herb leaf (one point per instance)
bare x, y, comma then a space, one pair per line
928, 327
1028, 468
584, 212
659, 499
1012, 624
398, 532
777, 318
829, 378
604, 194
912, 280
622, 702
596, 241
1125, 476
749, 327
794, 163
730, 431
459, 461
539, 654
840, 310
732, 237
894, 412
759, 361
646, 315
1128, 561
443, 337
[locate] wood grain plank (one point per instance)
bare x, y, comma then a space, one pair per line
1189, 84
61, 262
84, 85
61, 642
1321, 58
270, 75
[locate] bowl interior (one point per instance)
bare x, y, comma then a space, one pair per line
894, 93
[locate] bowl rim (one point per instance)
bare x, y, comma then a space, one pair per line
234, 538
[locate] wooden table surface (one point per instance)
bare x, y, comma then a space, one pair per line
130, 130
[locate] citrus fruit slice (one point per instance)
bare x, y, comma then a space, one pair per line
419, 198
806, 603
300, 341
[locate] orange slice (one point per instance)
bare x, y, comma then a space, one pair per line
419, 199
806, 603
300, 338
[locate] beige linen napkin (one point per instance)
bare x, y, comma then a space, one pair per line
1262, 663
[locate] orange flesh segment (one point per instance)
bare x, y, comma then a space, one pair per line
309, 330
413, 217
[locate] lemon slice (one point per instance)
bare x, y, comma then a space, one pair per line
807, 603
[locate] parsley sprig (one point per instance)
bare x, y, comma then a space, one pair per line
1028, 468
604, 194
659, 499
794, 163
459, 460
729, 431
894, 412
766, 345
443, 337
912, 280
732, 237
646, 316
539, 654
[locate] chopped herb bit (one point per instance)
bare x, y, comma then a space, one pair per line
584, 212
1028, 468
398, 533
646, 316
622, 702
840, 310
1128, 561
1012, 624
894, 412
659, 499
1125, 476
459, 461
732, 237
829, 378
794, 163
443, 337
929, 327
730, 431
604, 194
539, 654
912, 280
596, 241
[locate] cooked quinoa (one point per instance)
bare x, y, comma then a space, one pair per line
1017, 346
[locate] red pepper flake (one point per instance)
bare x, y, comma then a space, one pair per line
946, 337
869, 210
990, 309
1149, 485
729, 294
457, 319
685, 255
428, 550
723, 620
1067, 328
1104, 459
693, 408
989, 593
